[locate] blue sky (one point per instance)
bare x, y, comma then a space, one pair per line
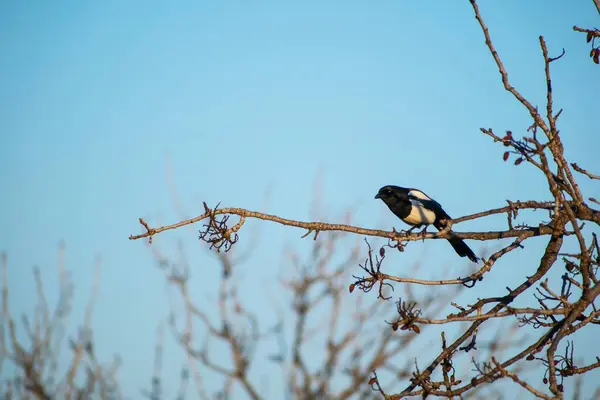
102, 102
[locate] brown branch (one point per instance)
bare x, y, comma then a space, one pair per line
460, 281
500, 314
516, 379
532, 110
322, 226
549, 95
583, 171
555, 143
516, 205
593, 32
583, 370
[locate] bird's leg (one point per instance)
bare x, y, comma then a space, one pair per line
424, 231
413, 227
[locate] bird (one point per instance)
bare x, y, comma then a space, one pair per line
417, 209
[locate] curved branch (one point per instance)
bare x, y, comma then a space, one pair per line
469, 280
532, 110
583, 171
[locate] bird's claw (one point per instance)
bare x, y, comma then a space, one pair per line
423, 232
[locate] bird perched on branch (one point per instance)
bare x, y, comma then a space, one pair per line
417, 209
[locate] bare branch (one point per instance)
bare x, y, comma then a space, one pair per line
583, 171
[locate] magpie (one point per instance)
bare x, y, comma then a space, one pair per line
417, 209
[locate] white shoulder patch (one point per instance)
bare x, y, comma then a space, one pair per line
419, 195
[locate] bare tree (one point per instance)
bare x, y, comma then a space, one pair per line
555, 312
37, 357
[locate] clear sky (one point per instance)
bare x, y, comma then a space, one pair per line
101, 102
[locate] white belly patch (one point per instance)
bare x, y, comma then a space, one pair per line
419, 215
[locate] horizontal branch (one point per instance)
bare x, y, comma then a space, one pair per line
593, 32
583, 370
469, 280
512, 311
317, 227
517, 205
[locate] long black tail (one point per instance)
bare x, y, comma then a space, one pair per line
458, 244
462, 249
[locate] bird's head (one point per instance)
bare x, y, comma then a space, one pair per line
392, 195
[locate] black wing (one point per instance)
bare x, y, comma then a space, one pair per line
433, 206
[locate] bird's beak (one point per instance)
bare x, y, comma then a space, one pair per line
378, 196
